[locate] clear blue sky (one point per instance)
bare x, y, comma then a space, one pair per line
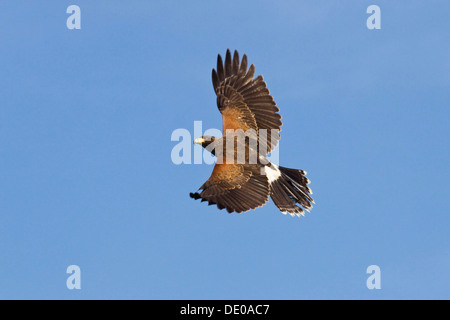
86, 176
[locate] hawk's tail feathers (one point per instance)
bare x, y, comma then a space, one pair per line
289, 187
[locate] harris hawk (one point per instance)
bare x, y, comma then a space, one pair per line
243, 178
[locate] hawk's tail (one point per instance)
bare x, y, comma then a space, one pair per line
289, 187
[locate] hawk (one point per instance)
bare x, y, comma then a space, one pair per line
243, 178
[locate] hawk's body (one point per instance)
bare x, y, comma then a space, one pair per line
243, 178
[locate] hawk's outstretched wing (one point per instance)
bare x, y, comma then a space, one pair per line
235, 187
245, 101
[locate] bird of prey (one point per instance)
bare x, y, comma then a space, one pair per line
243, 178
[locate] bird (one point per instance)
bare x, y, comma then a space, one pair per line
243, 178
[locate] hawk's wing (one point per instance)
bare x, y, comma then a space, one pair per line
245, 101
235, 187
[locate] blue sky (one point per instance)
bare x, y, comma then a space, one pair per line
86, 118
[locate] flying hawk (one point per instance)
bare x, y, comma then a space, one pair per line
243, 178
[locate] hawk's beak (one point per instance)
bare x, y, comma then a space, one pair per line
199, 141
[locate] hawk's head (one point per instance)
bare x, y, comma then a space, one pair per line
204, 141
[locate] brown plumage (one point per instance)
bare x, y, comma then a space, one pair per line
251, 123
